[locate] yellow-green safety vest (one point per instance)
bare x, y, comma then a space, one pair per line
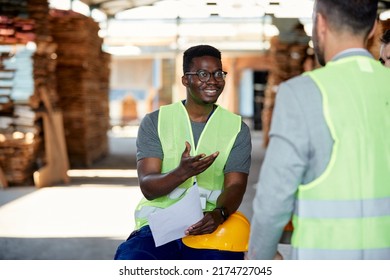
345, 213
174, 128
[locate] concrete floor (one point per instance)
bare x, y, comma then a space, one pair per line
90, 217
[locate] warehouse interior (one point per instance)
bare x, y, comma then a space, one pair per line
76, 78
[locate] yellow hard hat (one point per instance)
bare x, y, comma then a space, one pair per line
232, 235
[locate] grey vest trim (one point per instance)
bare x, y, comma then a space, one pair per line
322, 254
342, 209
145, 211
176, 193
210, 195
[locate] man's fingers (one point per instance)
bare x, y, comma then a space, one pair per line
187, 149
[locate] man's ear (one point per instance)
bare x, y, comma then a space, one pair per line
322, 25
373, 29
184, 80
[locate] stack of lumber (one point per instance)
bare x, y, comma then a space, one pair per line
287, 60
18, 157
45, 81
18, 142
15, 25
32, 98
83, 75
16, 30
21, 21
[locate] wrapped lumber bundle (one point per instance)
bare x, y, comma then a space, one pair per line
83, 86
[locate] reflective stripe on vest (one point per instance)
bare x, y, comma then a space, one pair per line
345, 213
211, 195
174, 128
343, 209
323, 254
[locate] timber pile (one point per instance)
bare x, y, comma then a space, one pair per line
45, 81
23, 149
16, 30
17, 149
287, 60
15, 25
18, 157
84, 95
22, 21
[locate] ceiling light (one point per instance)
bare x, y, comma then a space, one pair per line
385, 15
80, 8
122, 50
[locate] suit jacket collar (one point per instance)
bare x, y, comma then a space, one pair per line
352, 52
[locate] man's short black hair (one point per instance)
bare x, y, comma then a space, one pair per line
385, 39
198, 51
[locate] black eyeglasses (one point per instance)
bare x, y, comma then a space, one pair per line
204, 75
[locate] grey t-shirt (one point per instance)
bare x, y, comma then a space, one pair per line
149, 145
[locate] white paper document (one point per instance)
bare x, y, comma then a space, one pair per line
170, 223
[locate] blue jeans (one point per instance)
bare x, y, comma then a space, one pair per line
140, 246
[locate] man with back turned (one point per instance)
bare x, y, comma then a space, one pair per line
327, 165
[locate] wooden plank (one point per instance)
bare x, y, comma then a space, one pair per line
55, 171
3, 180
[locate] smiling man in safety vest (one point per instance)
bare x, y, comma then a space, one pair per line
193, 141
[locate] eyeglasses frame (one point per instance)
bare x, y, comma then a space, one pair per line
213, 73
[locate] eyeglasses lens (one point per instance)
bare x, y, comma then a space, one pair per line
204, 75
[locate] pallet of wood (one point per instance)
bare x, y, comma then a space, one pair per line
32, 149
84, 96
18, 152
